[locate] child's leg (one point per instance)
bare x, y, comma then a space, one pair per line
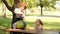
13, 25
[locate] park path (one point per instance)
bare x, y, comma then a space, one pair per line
50, 32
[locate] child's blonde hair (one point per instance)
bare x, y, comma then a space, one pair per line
23, 4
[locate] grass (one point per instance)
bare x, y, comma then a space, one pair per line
5, 22
50, 23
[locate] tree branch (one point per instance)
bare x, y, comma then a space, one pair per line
8, 7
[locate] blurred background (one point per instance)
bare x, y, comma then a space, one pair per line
48, 11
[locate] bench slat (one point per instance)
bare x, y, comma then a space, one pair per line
23, 31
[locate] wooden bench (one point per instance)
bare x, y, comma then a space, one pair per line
26, 31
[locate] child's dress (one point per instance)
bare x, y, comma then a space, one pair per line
18, 11
39, 29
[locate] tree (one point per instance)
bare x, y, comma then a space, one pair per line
46, 3
41, 3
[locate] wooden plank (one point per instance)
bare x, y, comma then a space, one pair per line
22, 31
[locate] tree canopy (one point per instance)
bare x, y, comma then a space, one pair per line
0, 1
34, 3
48, 3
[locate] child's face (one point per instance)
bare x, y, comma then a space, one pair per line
37, 22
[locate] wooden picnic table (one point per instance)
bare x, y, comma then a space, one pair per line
26, 31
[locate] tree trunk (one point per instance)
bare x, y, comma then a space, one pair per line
3, 10
41, 10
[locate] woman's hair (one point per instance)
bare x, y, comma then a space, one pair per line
40, 21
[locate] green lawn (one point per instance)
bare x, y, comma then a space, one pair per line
50, 23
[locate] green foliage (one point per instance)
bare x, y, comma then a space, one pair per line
47, 3
10, 2
31, 3
0, 1
34, 3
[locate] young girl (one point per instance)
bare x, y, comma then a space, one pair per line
39, 26
19, 14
